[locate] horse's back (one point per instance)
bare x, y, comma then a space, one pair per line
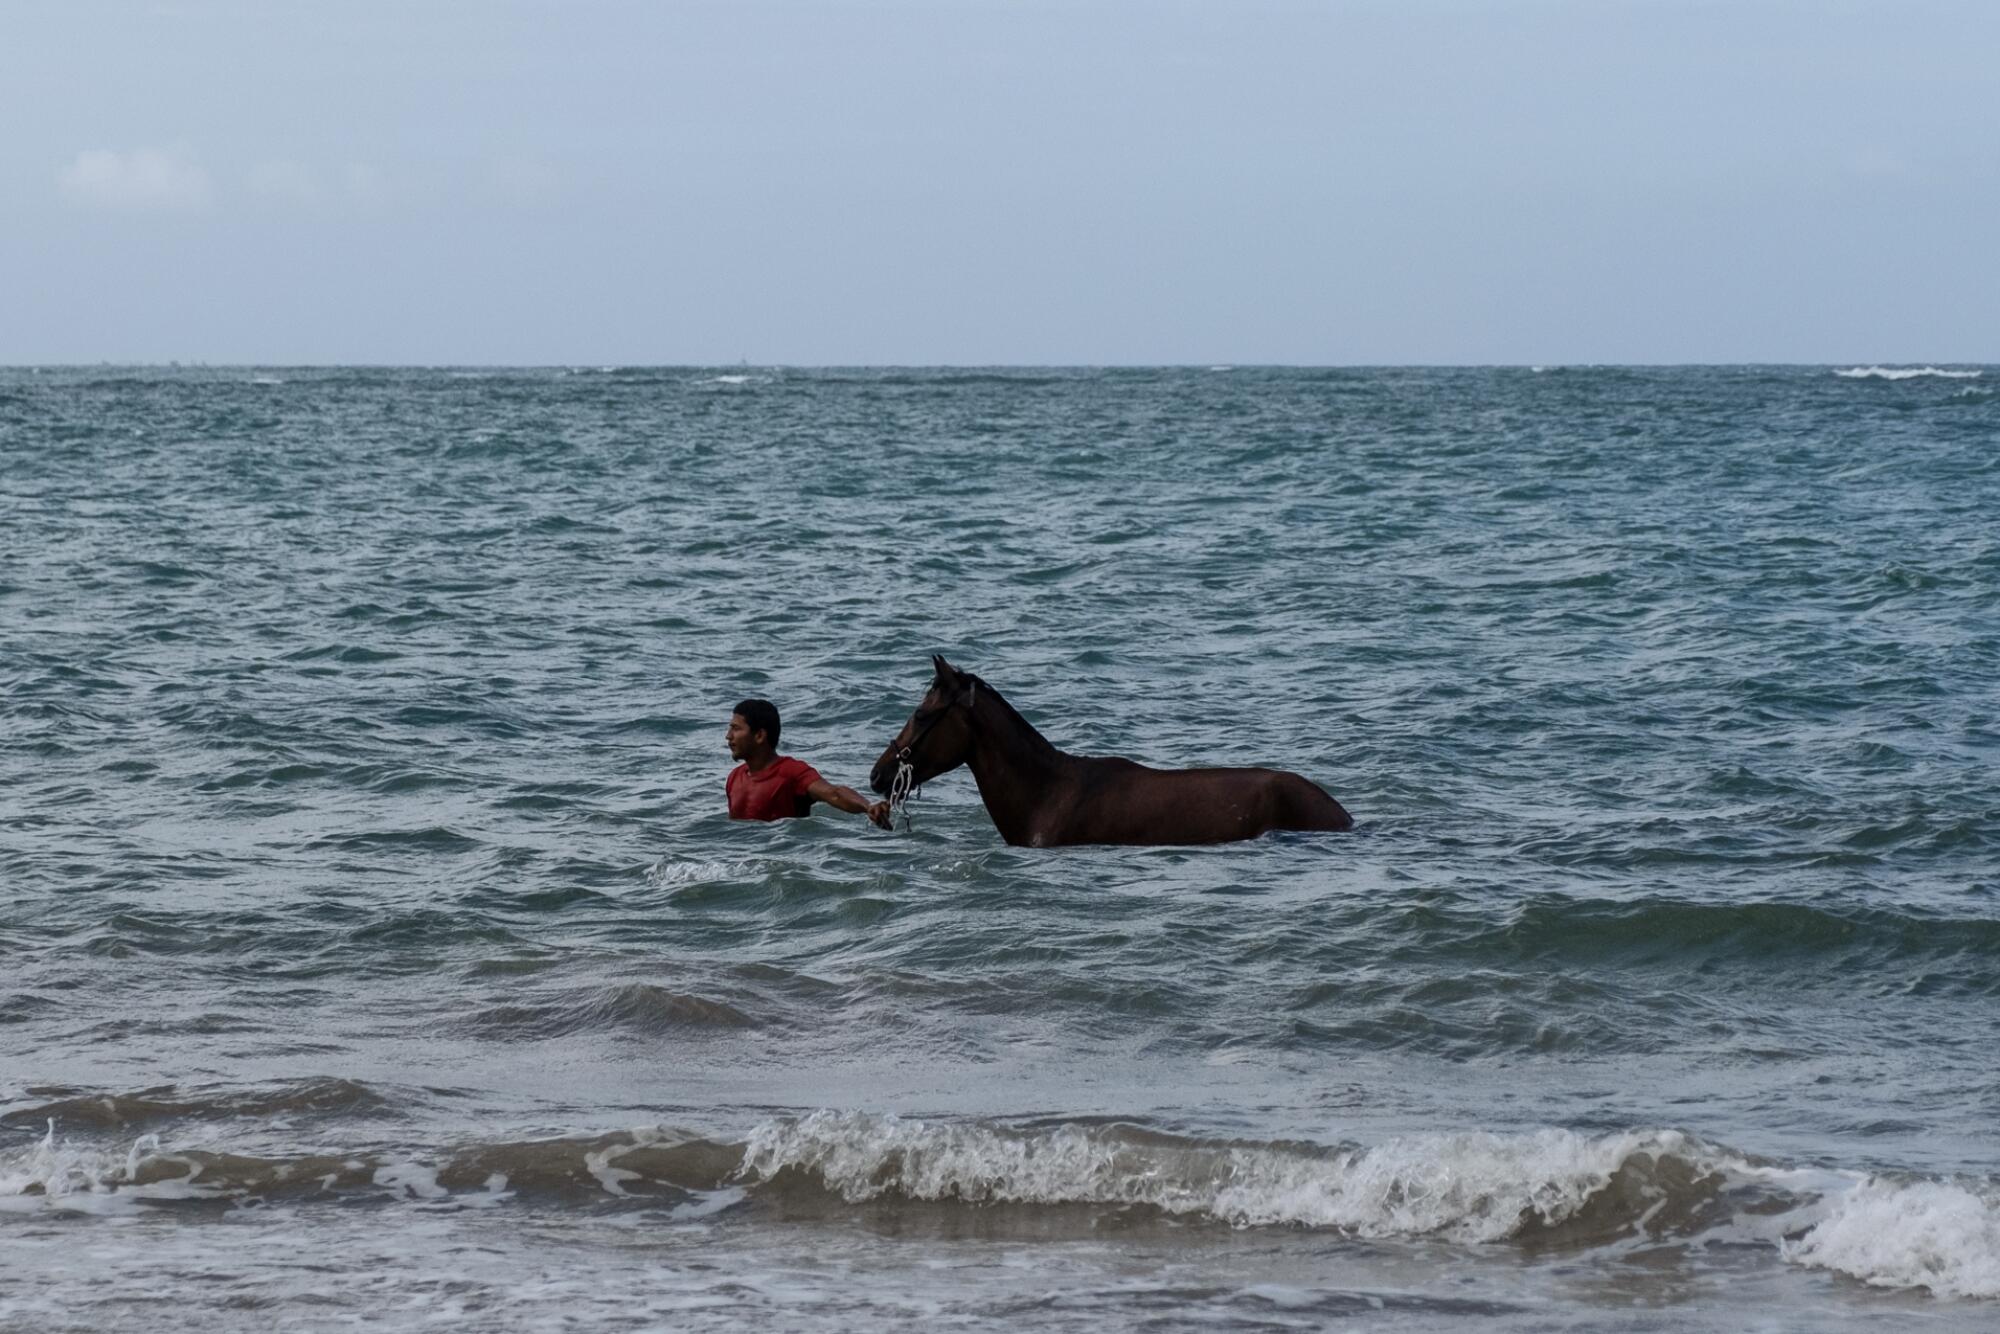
1126, 802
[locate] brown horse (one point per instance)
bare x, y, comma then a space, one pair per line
1041, 797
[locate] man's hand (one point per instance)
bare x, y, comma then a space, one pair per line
879, 813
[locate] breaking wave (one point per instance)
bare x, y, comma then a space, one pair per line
1544, 1190
1939, 1235
1468, 1188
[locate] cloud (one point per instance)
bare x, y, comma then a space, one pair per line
293, 184
286, 182
143, 180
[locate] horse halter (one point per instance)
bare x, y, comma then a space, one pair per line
904, 785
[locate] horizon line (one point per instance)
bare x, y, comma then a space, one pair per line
1209, 365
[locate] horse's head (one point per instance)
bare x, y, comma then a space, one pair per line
938, 736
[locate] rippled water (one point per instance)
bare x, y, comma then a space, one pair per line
373, 943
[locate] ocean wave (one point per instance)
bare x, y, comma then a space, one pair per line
109, 1111
1538, 1190
1467, 1187
1904, 373
1939, 1235
1671, 931
944, 377
1551, 1188
56, 1174
635, 1006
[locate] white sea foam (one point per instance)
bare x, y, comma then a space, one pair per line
495, 1193
707, 1204
1924, 1234
599, 1164
665, 874
1467, 1187
412, 1180
56, 1175
1904, 373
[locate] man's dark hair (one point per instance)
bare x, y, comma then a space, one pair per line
761, 715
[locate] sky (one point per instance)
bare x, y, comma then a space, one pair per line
987, 182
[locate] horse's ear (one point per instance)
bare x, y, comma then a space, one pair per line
945, 671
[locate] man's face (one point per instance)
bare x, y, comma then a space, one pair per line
739, 737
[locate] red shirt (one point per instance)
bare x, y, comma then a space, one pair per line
775, 794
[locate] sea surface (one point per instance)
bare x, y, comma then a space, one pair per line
375, 949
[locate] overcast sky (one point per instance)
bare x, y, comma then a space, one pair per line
999, 181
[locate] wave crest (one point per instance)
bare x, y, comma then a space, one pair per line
638, 1007
106, 1111
1466, 1187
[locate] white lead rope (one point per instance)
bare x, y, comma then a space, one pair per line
899, 791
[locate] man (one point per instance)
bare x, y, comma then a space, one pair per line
770, 786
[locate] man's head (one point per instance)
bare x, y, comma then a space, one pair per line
753, 728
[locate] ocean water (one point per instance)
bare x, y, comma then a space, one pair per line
374, 948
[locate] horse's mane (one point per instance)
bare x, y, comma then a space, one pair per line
1029, 728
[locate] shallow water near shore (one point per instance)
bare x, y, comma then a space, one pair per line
373, 945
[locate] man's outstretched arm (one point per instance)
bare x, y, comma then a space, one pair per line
847, 799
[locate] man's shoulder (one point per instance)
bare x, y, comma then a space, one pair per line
797, 769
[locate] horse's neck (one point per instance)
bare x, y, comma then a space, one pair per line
1014, 765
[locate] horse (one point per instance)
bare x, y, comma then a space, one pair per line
1041, 797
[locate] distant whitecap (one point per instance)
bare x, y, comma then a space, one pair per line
1903, 373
